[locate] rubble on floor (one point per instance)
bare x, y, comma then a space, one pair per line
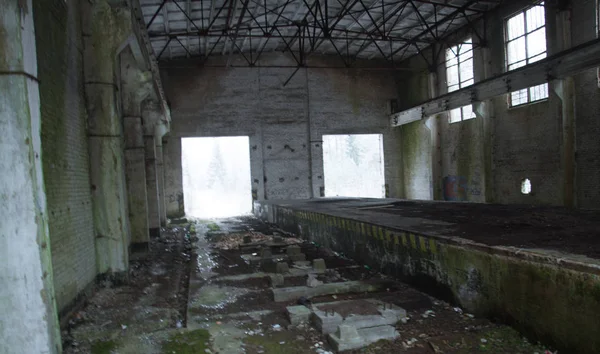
240, 286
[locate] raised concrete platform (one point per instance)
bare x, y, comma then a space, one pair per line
535, 268
359, 314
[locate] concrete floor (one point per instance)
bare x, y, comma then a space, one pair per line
198, 295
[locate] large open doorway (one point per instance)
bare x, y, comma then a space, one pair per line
216, 176
353, 165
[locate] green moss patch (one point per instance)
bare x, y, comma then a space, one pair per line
277, 343
213, 227
190, 342
104, 346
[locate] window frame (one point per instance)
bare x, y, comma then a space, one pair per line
527, 59
460, 83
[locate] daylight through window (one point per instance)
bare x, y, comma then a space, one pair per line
525, 44
459, 74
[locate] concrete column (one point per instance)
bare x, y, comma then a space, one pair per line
160, 175
433, 123
135, 173
173, 177
565, 90
152, 186
28, 320
484, 112
104, 30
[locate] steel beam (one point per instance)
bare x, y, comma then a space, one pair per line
559, 66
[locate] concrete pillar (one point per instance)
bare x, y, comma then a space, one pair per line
105, 28
160, 175
152, 185
565, 90
135, 173
173, 177
484, 111
28, 320
433, 123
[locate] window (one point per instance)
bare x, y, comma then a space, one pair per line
525, 44
526, 186
459, 74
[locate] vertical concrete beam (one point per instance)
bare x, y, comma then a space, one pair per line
173, 177
29, 322
484, 111
160, 175
433, 123
565, 90
105, 28
135, 176
152, 185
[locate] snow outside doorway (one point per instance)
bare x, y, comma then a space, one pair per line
353, 165
216, 176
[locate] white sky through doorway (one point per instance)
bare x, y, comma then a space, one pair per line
216, 176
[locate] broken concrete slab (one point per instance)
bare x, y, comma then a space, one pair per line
348, 337
293, 293
266, 253
293, 249
362, 313
276, 280
319, 264
303, 264
282, 267
312, 281
299, 257
298, 314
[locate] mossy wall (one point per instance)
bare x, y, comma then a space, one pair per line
555, 304
415, 143
65, 154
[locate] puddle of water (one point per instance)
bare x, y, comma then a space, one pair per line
205, 262
216, 297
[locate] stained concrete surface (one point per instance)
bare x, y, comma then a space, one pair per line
160, 311
523, 226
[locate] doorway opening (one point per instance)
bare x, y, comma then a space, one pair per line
216, 176
353, 165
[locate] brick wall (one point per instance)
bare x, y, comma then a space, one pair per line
254, 102
64, 146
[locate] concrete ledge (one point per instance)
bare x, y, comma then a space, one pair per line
549, 296
348, 337
327, 319
296, 292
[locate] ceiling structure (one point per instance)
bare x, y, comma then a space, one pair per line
351, 29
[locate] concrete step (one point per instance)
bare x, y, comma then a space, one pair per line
364, 313
296, 292
348, 337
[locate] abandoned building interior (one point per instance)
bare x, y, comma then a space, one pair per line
299, 176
